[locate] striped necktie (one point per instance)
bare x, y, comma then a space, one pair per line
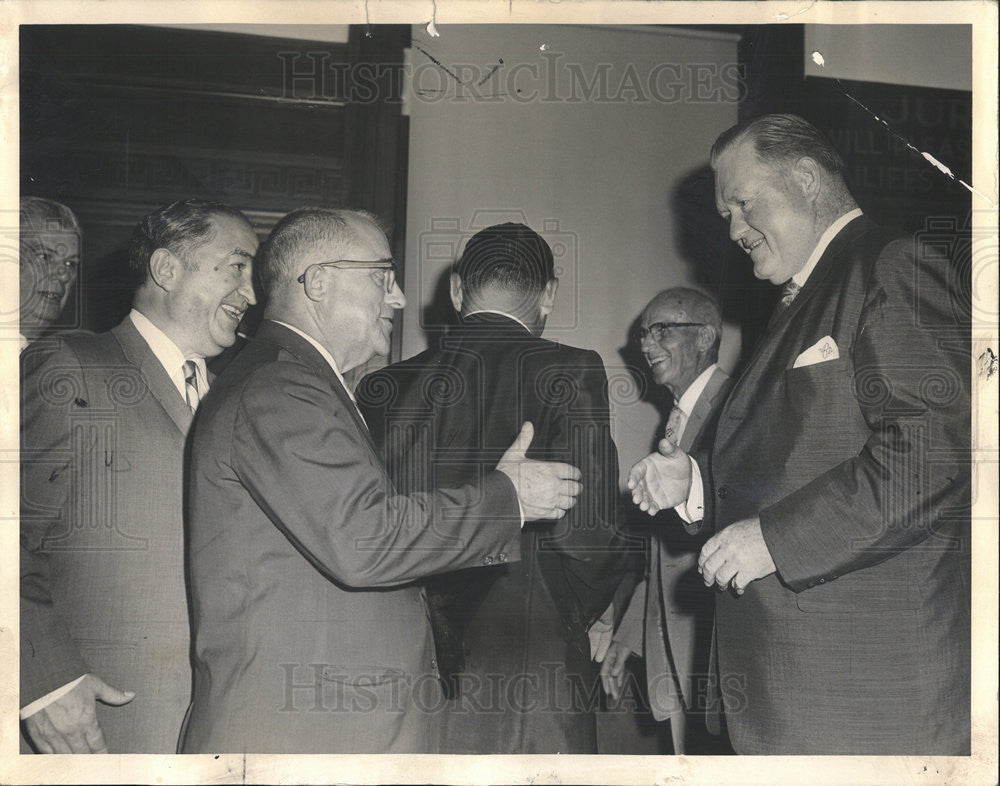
675, 425
191, 394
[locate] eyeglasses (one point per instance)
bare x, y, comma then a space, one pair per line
660, 330
387, 265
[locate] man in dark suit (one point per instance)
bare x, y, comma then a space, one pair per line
669, 619
104, 419
311, 633
514, 637
839, 475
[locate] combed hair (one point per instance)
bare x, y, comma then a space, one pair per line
179, 227
781, 140
509, 256
299, 233
46, 215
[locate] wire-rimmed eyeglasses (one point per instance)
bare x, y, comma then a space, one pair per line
388, 265
659, 330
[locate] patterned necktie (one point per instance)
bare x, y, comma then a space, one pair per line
191, 394
788, 293
675, 425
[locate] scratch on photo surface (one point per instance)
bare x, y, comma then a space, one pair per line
818, 59
436, 62
490, 72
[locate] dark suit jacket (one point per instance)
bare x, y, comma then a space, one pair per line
669, 620
446, 416
102, 576
859, 470
310, 635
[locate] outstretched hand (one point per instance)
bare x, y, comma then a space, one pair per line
661, 480
545, 489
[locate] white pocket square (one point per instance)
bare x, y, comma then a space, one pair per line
823, 350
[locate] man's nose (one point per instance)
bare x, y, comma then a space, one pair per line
246, 290
395, 297
737, 227
64, 273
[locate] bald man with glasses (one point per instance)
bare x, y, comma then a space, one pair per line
311, 631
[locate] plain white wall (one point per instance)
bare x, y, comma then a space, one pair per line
921, 55
593, 175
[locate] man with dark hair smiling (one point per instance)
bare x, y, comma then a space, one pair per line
838, 483
104, 419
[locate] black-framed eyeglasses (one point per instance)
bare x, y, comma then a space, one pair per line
659, 330
388, 265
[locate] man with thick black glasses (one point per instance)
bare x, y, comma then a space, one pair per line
669, 620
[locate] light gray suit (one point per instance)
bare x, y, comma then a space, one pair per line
669, 619
102, 568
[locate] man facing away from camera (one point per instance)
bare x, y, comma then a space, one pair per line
104, 621
669, 620
311, 631
838, 484
512, 637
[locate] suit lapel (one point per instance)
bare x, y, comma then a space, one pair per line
831, 257
158, 382
702, 409
306, 352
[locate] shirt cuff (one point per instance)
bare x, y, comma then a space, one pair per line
48, 698
693, 509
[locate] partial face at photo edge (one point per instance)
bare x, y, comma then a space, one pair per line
215, 288
675, 361
769, 216
49, 263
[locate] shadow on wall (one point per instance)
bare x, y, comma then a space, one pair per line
718, 265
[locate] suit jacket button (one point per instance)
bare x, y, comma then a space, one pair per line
821, 581
502, 556
723, 492
434, 663
487, 560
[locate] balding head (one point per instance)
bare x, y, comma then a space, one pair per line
680, 332
329, 273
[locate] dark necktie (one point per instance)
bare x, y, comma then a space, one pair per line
191, 394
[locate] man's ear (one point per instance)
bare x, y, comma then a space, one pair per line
456, 291
548, 300
316, 283
165, 269
706, 338
808, 176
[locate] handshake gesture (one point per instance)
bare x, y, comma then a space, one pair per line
661, 480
